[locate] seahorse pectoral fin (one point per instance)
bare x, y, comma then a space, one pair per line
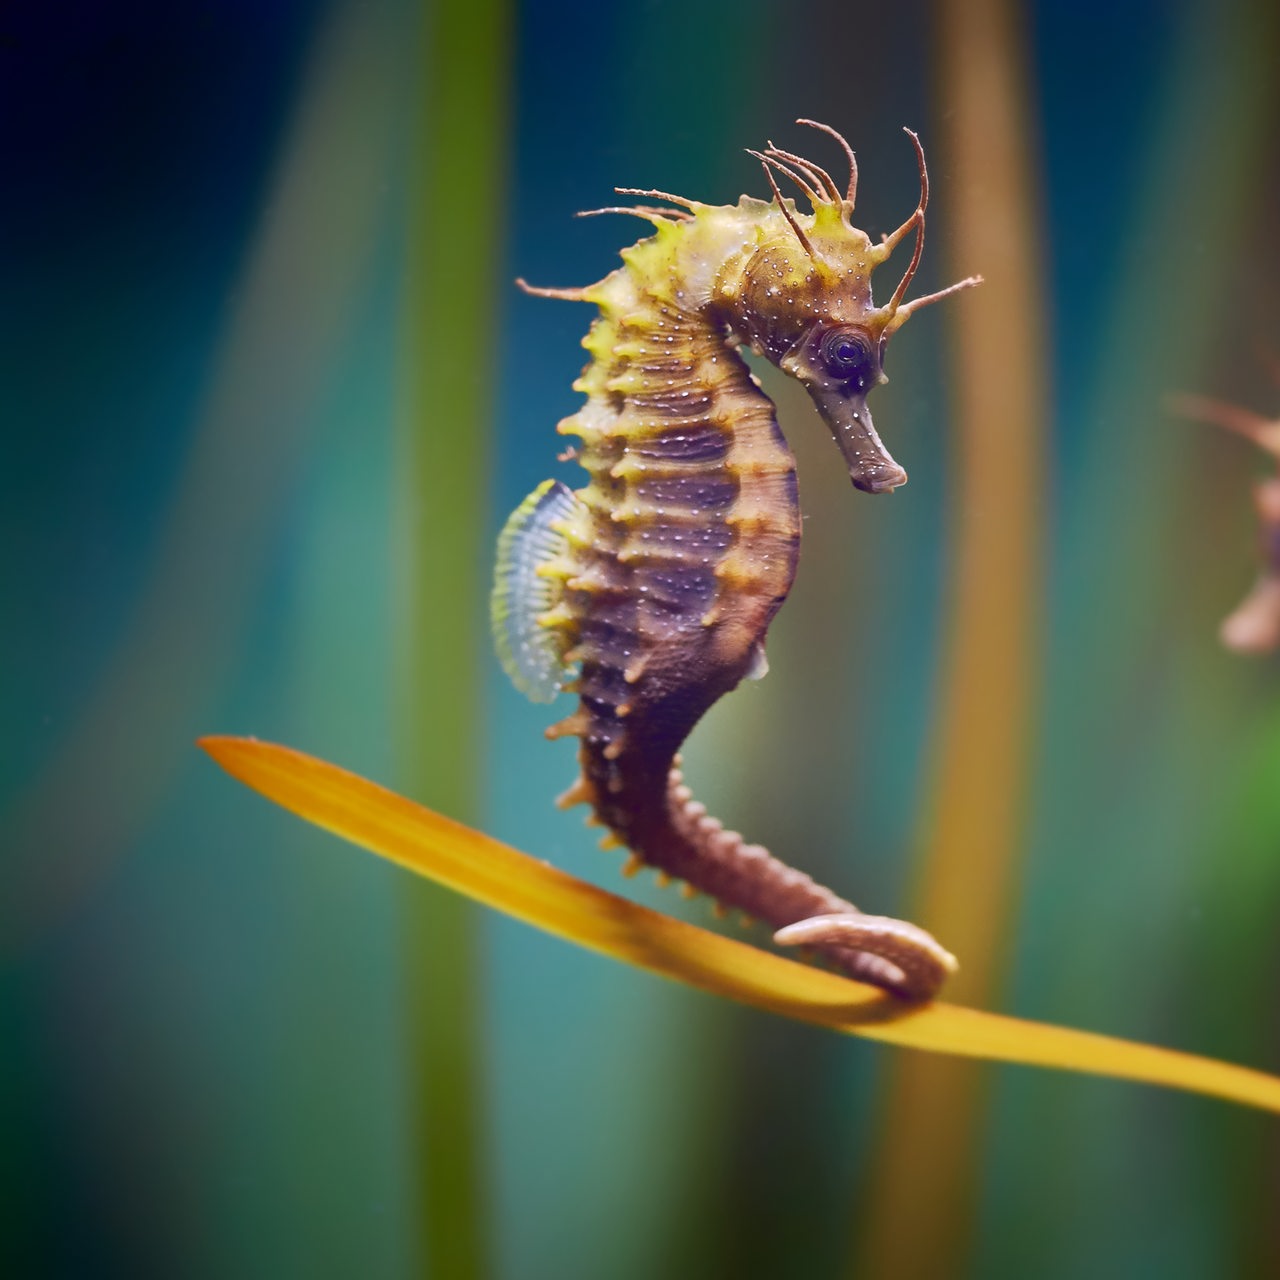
921, 965
531, 652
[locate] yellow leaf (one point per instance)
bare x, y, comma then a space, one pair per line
500, 877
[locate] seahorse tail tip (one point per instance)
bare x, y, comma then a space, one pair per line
892, 953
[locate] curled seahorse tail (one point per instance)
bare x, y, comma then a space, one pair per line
910, 960
887, 952
665, 828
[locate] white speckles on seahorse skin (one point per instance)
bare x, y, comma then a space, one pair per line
655, 584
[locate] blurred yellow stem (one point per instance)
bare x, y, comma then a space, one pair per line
974, 814
498, 876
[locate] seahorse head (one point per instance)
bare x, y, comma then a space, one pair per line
801, 296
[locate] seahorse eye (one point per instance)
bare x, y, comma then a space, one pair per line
847, 354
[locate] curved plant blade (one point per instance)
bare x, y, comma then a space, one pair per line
500, 877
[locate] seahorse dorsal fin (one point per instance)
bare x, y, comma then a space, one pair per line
526, 587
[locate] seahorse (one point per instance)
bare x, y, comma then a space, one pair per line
649, 591
1254, 625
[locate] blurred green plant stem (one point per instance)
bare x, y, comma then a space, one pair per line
455, 231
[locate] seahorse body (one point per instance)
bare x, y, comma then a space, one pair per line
658, 579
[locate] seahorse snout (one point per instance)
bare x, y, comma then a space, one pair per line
883, 476
871, 466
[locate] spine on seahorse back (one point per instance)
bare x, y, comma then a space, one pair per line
686, 546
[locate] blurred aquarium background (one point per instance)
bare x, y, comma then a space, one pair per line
268, 393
